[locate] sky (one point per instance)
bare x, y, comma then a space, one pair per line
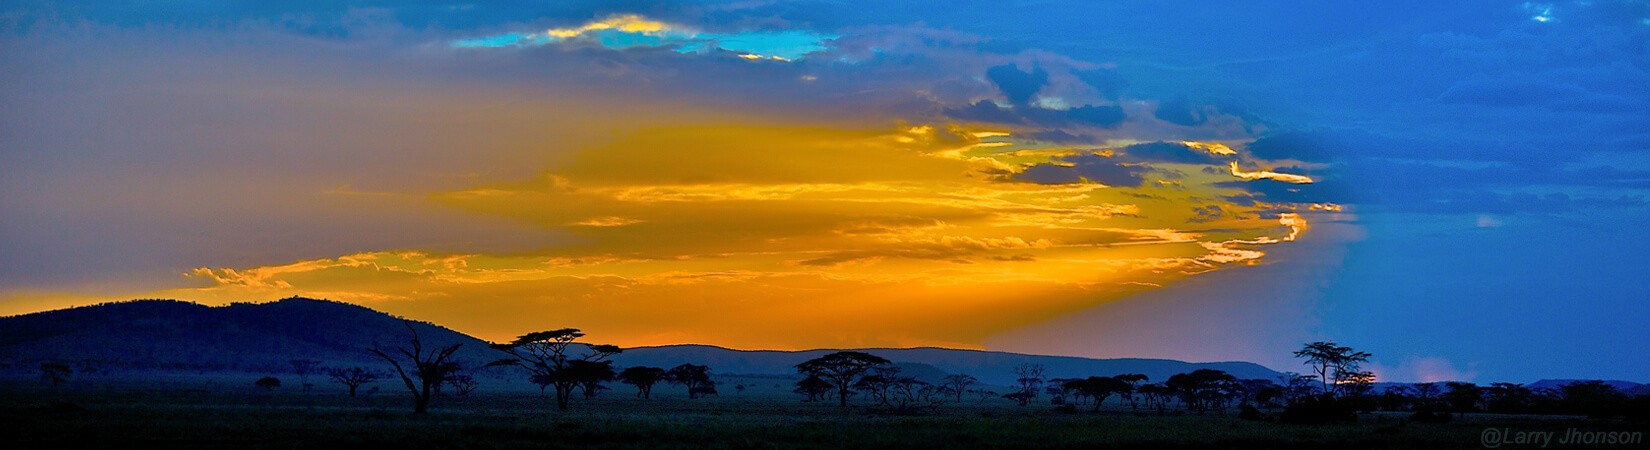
1456, 188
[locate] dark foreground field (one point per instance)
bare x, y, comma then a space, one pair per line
138, 417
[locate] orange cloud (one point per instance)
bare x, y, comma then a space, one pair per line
790, 237
1267, 174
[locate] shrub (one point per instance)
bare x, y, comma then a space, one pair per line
268, 383
1321, 409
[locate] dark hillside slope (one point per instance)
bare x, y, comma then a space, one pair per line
168, 334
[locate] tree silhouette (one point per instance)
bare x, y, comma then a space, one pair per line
1463, 397
352, 378
429, 367
1203, 389
545, 355
543, 381
590, 375
303, 368
1426, 391
1157, 395
841, 369
55, 373
1098, 388
695, 377
1030, 378
1296, 386
813, 386
897, 393
643, 378
462, 384
956, 384
1508, 398
1328, 359
1134, 381
1594, 398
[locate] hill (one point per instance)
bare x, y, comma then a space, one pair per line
176, 335
1623, 386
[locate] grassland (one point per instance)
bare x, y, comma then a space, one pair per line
181, 414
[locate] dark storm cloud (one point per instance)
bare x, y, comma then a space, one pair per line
1019, 87
1272, 191
1049, 174
1096, 168
1173, 152
1057, 136
985, 111
1100, 116
1104, 116
1206, 213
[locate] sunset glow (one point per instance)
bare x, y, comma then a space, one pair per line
801, 236
1103, 179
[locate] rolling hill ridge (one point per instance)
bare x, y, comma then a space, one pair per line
265, 337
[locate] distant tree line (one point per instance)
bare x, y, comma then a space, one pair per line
1336, 388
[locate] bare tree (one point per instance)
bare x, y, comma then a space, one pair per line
430, 367
462, 385
303, 368
1030, 378
956, 384
352, 378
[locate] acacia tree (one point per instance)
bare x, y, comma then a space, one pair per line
590, 375
1134, 381
543, 382
1203, 389
55, 373
1327, 358
1098, 388
695, 377
956, 384
841, 369
545, 355
352, 378
814, 387
429, 367
1463, 397
896, 392
643, 378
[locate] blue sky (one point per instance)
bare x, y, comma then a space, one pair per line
1492, 158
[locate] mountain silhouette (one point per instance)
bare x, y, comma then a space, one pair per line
170, 334
265, 337
1623, 386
